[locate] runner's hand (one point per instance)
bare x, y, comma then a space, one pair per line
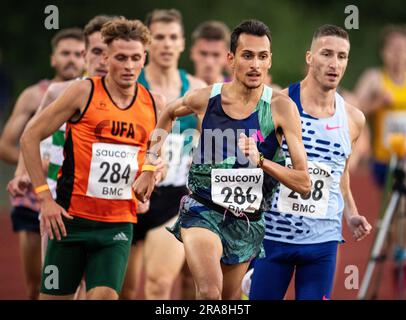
19, 185
384, 97
359, 227
143, 206
51, 222
144, 185
249, 148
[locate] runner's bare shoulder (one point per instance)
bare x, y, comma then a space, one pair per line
282, 103
355, 116
55, 89
196, 83
31, 97
198, 99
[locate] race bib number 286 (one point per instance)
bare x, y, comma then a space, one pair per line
238, 190
112, 171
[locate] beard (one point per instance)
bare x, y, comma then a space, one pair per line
251, 87
69, 72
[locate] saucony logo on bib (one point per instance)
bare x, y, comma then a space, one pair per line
332, 128
238, 178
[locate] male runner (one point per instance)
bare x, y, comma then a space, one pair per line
302, 232
220, 223
109, 121
210, 43
382, 93
67, 60
151, 242
95, 66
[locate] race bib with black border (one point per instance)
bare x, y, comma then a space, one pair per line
237, 190
112, 171
313, 205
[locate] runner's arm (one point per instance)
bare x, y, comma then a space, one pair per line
53, 91
193, 102
286, 117
24, 109
69, 104
369, 92
357, 223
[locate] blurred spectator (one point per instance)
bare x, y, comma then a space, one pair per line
382, 95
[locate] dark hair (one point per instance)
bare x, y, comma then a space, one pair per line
252, 27
121, 28
389, 31
70, 33
164, 15
95, 25
330, 30
212, 30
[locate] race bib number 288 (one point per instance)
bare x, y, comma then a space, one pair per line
314, 204
112, 171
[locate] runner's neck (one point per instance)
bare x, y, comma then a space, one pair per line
238, 92
315, 100
397, 75
58, 78
219, 79
121, 96
162, 77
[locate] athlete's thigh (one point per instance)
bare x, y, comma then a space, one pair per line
30, 249
272, 274
134, 268
163, 253
270, 280
65, 261
203, 250
44, 245
314, 279
232, 278
107, 260
43, 296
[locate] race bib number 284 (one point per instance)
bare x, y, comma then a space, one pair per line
112, 171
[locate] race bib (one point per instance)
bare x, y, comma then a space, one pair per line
172, 153
394, 122
238, 190
313, 205
112, 171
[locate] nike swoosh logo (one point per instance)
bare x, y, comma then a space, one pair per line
332, 128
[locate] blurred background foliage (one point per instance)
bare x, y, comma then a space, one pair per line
25, 41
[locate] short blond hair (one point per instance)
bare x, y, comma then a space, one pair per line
122, 28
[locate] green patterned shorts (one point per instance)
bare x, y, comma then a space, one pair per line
242, 241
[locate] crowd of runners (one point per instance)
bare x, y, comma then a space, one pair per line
132, 172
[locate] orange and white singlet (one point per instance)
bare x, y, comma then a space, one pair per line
104, 152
